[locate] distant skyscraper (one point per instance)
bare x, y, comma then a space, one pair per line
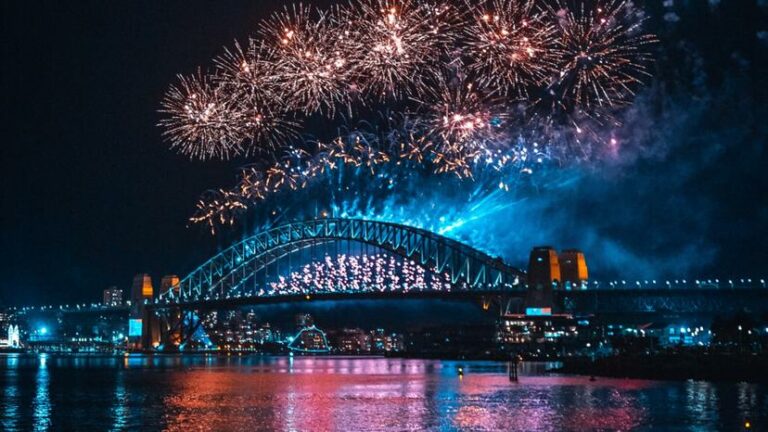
168, 282
113, 297
573, 267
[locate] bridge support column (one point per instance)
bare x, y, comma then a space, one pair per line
150, 329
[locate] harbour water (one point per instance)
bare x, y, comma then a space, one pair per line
139, 392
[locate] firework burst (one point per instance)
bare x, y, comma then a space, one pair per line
470, 82
311, 66
396, 43
462, 121
202, 120
603, 56
248, 77
511, 45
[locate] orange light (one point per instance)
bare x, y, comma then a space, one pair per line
747, 425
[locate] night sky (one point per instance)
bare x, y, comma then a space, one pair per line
91, 195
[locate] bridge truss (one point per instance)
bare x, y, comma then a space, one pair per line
234, 273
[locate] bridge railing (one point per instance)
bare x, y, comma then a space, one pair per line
672, 284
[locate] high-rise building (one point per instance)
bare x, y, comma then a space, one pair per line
113, 297
168, 282
573, 267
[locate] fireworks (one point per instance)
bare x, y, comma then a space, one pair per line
461, 120
201, 119
511, 46
310, 60
396, 43
603, 55
248, 78
465, 81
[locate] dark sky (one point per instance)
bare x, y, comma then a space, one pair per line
91, 195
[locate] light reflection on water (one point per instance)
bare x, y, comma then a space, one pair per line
328, 393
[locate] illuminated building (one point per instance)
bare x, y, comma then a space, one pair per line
543, 275
13, 340
523, 329
113, 297
303, 320
573, 268
168, 282
394, 342
310, 339
352, 341
142, 332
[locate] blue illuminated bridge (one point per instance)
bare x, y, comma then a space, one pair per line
337, 259
358, 258
351, 259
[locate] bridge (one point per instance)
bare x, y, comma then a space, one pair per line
337, 259
243, 271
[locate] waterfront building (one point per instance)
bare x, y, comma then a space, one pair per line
351, 341
311, 339
303, 320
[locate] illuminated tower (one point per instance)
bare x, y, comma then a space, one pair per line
573, 267
141, 288
543, 274
143, 328
543, 266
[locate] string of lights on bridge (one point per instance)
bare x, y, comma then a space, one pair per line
650, 284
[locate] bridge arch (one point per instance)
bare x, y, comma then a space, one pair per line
224, 274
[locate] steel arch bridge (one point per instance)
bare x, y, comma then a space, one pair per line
230, 274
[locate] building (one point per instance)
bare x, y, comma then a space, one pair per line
573, 268
12, 341
310, 339
303, 320
113, 297
351, 341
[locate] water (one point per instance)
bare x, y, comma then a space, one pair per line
84, 392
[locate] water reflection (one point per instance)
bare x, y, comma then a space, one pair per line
42, 404
324, 394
